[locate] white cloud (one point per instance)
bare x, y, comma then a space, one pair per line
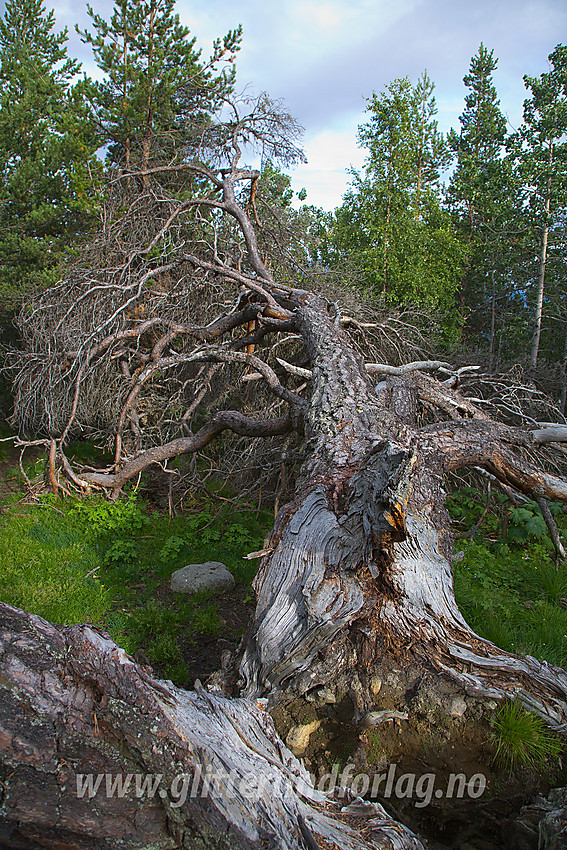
328, 16
323, 57
329, 155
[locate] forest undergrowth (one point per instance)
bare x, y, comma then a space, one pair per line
74, 560
88, 560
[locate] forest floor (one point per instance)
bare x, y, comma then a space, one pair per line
88, 560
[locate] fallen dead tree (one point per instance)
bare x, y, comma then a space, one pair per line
355, 581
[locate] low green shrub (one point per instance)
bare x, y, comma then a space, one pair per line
512, 524
102, 518
503, 598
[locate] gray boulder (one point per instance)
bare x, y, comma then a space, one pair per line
212, 576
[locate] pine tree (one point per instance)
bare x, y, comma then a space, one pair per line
391, 220
480, 144
46, 149
484, 202
540, 150
155, 88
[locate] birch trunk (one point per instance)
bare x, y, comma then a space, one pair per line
538, 314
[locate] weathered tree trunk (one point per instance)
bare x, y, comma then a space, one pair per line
357, 583
360, 570
74, 709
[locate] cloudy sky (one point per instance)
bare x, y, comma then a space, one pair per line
324, 58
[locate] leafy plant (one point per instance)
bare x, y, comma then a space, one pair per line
513, 524
466, 505
121, 553
103, 517
521, 737
171, 548
209, 535
526, 523
236, 536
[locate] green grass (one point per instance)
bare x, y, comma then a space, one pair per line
206, 620
550, 579
73, 561
512, 598
48, 568
521, 739
507, 585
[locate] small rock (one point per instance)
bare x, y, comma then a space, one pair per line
458, 707
298, 737
375, 685
321, 696
212, 576
375, 718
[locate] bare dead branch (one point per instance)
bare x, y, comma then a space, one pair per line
295, 370
227, 419
418, 366
447, 399
554, 434
552, 528
486, 444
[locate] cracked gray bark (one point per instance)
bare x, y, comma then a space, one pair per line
72, 703
361, 561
